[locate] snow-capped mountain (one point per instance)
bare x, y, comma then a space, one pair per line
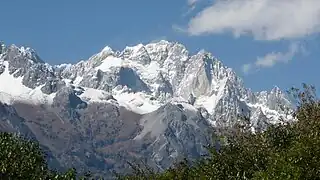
142, 78
173, 95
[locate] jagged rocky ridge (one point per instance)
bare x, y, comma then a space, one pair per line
154, 102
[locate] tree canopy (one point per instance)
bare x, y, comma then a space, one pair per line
23, 159
288, 150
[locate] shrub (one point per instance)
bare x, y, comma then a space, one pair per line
288, 150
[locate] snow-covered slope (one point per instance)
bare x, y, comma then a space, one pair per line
155, 102
141, 78
12, 88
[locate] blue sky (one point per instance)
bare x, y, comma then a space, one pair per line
266, 43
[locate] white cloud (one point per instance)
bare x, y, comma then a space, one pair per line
263, 19
273, 58
246, 68
191, 6
178, 28
192, 2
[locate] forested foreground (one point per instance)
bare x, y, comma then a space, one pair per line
290, 150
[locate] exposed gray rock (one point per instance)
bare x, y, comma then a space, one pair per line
10, 121
191, 99
52, 86
100, 140
25, 62
175, 132
127, 77
66, 97
2, 47
2, 68
101, 80
103, 136
20, 60
139, 54
203, 113
67, 103
161, 54
261, 122
122, 76
37, 75
164, 90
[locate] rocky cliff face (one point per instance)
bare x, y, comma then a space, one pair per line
154, 102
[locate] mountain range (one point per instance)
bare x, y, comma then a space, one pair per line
152, 102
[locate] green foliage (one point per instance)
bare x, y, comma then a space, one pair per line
23, 159
288, 150
20, 159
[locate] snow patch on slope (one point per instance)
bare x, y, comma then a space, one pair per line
109, 62
165, 69
12, 90
210, 102
269, 113
136, 102
94, 95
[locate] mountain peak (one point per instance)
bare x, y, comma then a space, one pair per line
107, 49
159, 95
24, 52
155, 101
276, 90
160, 71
